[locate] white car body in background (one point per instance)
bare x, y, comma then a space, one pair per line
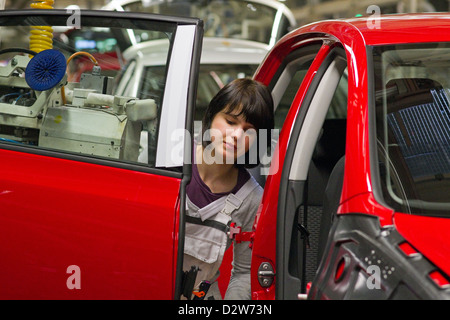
222, 60
257, 20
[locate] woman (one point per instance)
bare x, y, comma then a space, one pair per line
221, 190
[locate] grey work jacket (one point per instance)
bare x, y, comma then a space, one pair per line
205, 245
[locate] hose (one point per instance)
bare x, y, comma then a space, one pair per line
41, 37
90, 56
20, 50
47, 4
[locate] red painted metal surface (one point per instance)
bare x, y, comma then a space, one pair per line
116, 225
120, 226
428, 235
357, 196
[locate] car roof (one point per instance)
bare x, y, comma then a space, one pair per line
409, 27
214, 51
387, 29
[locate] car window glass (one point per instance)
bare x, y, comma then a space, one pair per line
412, 98
123, 81
90, 110
211, 78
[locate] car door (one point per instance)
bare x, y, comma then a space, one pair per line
82, 215
310, 93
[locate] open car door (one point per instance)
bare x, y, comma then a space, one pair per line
309, 85
91, 181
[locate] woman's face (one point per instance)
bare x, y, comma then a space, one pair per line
231, 136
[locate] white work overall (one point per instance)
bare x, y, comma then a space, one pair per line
206, 237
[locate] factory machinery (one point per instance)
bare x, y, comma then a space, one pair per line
39, 107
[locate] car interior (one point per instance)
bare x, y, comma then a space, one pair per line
417, 136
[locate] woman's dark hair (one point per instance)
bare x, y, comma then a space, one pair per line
254, 102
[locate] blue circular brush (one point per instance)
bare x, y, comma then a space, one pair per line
45, 70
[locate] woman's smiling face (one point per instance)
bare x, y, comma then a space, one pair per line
231, 135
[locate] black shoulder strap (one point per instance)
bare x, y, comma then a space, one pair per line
209, 223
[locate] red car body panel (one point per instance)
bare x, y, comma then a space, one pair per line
357, 194
428, 235
121, 226
110, 222
80, 224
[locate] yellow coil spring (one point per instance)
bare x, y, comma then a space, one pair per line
41, 37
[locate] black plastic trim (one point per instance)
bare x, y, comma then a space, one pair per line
178, 20
372, 251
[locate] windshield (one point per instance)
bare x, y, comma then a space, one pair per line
62, 96
412, 98
224, 18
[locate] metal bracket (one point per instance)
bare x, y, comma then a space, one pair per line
265, 274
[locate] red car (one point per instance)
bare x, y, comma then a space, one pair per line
355, 204
358, 203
